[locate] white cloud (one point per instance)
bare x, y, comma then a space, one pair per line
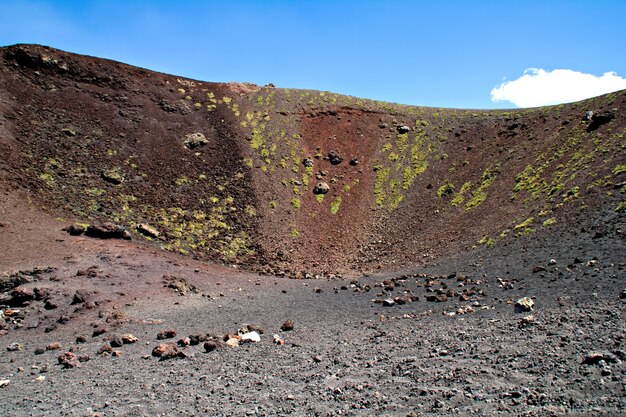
538, 87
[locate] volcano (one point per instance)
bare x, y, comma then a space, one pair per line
134, 200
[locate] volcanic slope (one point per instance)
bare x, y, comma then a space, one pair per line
296, 182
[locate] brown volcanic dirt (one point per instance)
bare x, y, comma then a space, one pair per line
70, 125
96, 140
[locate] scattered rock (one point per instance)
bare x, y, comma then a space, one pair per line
211, 345
81, 339
113, 176
75, 229
107, 231
403, 129
524, 304
250, 337
99, 331
54, 346
13, 281
195, 140
196, 339
69, 360
165, 351
552, 262
389, 302
147, 230
405, 299
105, 348
278, 340
334, 159
179, 285
128, 339
232, 342
600, 119
307, 162
622, 295
527, 320
41, 293
20, 297
465, 310
4, 382
539, 268
287, 326
354, 162
321, 188
40, 351
388, 285
166, 334
116, 341
51, 304
69, 131
185, 341
588, 115
14, 347
438, 298
594, 357
251, 328
183, 354
80, 296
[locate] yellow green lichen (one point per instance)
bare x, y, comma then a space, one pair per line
459, 197
487, 241
549, 222
182, 181
382, 175
334, 206
480, 195
526, 223
619, 169
47, 178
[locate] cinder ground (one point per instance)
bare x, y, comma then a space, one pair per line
347, 355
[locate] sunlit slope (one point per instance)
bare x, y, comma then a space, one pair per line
296, 181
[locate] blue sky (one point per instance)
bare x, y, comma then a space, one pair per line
432, 53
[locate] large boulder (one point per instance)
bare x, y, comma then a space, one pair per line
599, 119
195, 140
107, 231
20, 297
334, 158
114, 176
321, 188
147, 230
524, 304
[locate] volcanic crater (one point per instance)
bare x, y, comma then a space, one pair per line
442, 261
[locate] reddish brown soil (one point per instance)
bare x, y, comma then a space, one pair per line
69, 124
69, 121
